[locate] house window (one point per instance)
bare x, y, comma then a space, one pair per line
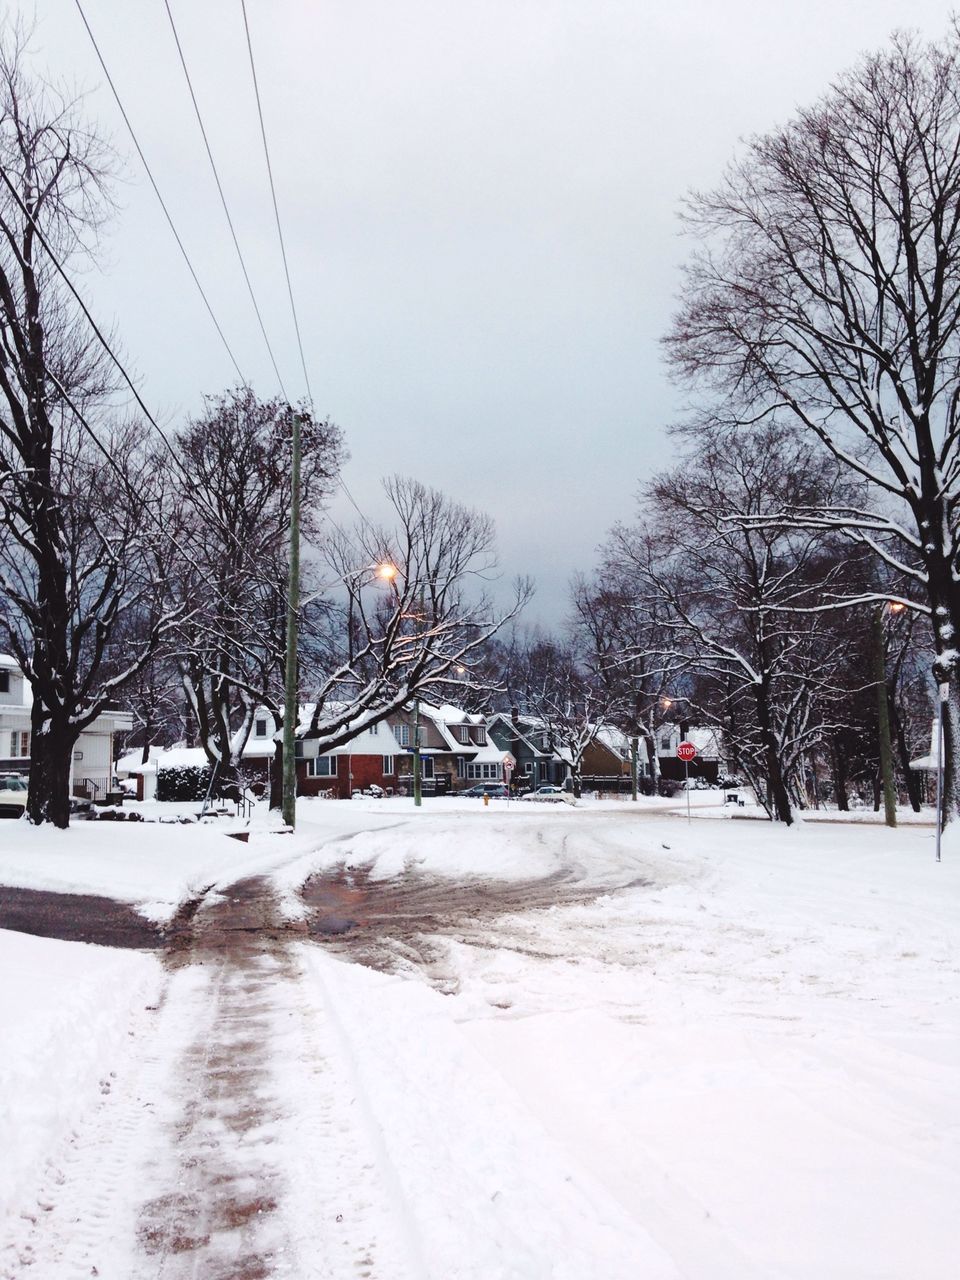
4, 681
484, 772
528, 767
19, 744
665, 742
461, 767
463, 733
260, 728
375, 728
403, 735
322, 767
426, 766
482, 736
388, 765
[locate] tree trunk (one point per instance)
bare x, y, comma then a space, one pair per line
276, 775
910, 776
51, 754
776, 787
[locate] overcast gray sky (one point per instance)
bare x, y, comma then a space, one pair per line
479, 200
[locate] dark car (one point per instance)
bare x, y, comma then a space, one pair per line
498, 790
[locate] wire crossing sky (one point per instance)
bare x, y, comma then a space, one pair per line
479, 224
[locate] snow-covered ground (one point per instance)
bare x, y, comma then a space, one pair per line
728, 1051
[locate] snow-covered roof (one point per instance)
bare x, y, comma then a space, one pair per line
161, 758
456, 715
8, 662
705, 740
371, 742
490, 754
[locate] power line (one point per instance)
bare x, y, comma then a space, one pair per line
276, 206
61, 271
283, 248
156, 189
223, 198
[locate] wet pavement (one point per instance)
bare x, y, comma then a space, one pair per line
404, 922
75, 917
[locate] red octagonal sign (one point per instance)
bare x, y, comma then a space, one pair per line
686, 751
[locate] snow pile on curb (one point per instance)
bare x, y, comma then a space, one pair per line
65, 1011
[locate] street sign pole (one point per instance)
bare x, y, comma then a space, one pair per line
686, 752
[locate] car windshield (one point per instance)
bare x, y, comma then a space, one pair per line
12, 784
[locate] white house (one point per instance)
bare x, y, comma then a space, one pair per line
92, 766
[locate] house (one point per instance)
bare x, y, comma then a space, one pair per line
531, 743
454, 753
607, 761
707, 763
371, 758
452, 742
91, 774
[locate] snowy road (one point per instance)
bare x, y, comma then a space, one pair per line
535, 1047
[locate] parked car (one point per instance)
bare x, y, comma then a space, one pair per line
13, 795
498, 790
546, 793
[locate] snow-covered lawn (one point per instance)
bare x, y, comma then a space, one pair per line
736, 1055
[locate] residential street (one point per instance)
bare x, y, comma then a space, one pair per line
495, 1045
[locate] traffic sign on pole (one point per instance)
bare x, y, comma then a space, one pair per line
687, 752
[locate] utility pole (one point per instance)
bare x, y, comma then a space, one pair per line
291, 700
883, 720
634, 754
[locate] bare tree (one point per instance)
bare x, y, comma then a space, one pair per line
548, 681
233, 493
79, 489
414, 615
730, 585
624, 643
827, 293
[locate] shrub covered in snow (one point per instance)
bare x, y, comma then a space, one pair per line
183, 782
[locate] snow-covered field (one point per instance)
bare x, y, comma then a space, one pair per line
731, 1051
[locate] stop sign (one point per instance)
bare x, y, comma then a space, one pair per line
686, 751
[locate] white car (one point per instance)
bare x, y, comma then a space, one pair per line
548, 794
13, 795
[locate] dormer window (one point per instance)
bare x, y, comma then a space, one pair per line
463, 732
260, 727
482, 736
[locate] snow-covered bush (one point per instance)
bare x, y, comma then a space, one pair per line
183, 782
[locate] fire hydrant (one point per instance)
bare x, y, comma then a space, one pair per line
486, 800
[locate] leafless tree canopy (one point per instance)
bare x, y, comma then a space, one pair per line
827, 293
78, 510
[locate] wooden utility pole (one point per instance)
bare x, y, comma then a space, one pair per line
291, 699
